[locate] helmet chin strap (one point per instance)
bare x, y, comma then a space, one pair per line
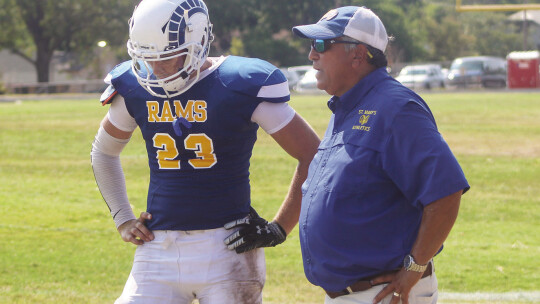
174, 86
181, 83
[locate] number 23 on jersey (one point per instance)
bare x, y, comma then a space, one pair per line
167, 151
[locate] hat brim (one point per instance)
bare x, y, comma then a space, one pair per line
315, 31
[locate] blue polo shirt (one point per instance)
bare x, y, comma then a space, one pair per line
381, 161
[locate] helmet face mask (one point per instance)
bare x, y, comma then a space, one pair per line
169, 42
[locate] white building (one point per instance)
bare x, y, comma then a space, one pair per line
533, 25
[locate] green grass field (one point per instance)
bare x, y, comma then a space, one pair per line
58, 243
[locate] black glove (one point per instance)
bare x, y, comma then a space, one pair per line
254, 232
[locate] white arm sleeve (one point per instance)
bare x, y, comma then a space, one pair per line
272, 117
105, 158
120, 117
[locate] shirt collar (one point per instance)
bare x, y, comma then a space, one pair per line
332, 103
350, 98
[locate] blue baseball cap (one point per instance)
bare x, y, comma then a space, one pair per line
359, 23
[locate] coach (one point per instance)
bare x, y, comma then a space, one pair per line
384, 189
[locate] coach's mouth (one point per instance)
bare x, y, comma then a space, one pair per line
319, 72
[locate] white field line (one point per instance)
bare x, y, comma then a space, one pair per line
470, 298
517, 296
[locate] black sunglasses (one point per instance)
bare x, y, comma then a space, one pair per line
322, 46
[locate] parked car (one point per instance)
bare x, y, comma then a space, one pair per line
295, 73
291, 78
426, 76
484, 71
308, 83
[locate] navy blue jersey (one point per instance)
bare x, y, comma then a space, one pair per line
199, 173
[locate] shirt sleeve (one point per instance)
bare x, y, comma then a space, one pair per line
120, 117
275, 86
272, 117
418, 159
255, 77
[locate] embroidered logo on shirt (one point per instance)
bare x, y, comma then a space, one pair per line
363, 119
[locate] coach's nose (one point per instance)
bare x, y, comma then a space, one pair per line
313, 55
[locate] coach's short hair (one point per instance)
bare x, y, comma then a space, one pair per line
378, 58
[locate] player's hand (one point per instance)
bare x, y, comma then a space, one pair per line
135, 231
254, 232
399, 285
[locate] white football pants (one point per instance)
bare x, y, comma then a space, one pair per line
180, 266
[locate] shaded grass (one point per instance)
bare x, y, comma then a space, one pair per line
59, 243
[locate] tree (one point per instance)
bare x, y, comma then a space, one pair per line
494, 35
34, 29
399, 18
451, 34
444, 35
424, 30
229, 18
264, 27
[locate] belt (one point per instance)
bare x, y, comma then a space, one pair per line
365, 284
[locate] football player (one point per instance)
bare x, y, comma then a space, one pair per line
199, 238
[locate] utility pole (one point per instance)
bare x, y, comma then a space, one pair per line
525, 28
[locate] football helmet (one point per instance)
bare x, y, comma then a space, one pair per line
161, 33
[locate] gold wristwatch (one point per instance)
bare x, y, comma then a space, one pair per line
410, 265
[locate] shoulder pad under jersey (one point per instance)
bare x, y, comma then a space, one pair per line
121, 81
254, 77
108, 95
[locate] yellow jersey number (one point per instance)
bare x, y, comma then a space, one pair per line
201, 144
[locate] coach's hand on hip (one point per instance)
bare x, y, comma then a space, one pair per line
135, 231
399, 285
254, 232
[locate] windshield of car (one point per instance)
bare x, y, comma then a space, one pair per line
407, 71
309, 77
467, 65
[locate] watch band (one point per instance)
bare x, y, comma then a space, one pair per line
411, 265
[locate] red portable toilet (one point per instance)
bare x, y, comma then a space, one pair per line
523, 69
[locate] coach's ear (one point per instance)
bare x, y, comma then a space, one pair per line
358, 56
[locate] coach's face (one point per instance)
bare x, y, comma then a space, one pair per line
335, 73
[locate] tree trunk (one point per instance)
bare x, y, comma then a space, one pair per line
42, 64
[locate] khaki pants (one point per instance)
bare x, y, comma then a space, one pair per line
424, 292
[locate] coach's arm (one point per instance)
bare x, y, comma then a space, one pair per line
437, 221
